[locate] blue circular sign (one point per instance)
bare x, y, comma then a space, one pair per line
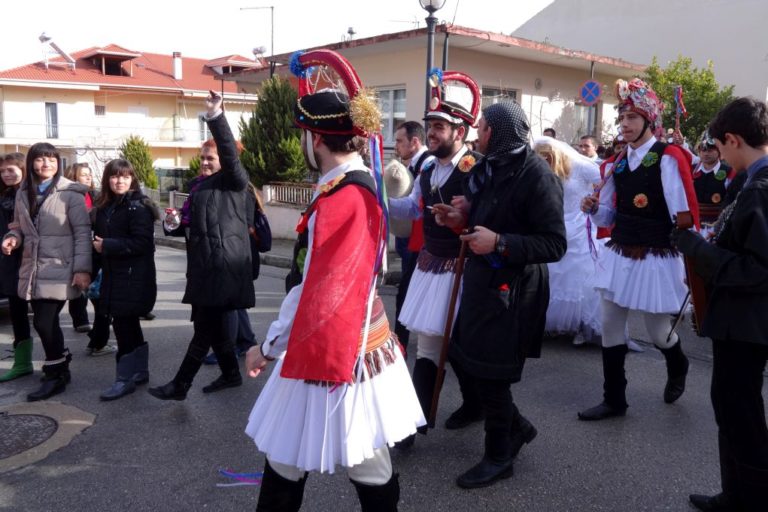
590, 92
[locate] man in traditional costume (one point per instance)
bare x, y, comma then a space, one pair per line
425, 309
735, 271
711, 178
340, 392
514, 212
645, 187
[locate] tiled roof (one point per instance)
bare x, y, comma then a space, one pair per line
150, 70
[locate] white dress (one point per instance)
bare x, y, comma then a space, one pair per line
315, 427
573, 301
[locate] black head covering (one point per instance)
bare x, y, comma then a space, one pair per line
509, 127
324, 112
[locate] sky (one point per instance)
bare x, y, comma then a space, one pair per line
225, 28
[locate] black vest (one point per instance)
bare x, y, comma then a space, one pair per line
710, 186
439, 240
642, 217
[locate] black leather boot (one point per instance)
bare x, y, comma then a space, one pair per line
496, 464
230, 371
54, 381
677, 370
279, 494
716, 503
173, 390
378, 498
614, 387
523, 432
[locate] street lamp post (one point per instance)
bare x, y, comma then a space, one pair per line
431, 6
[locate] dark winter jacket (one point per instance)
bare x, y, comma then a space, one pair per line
9, 265
219, 273
735, 268
505, 296
127, 259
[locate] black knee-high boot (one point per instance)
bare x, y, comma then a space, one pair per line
230, 369
523, 431
470, 410
614, 386
378, 498
677, 370
279, 494
424, 377
178, 387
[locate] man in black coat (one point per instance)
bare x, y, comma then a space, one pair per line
735, 269
513, 212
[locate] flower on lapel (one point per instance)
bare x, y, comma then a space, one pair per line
720, 175
331, 184
467, 163
650, 159
716, 198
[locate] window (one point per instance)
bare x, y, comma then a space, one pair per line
51, 121
2, 123
392, 106
205, 133
491, 95
586, 119
100, 110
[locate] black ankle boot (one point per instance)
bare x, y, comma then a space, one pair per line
54, 381
470, 410
716, 503
677, 371
614, 387
224, 382
378, 498
496, 464
174, 390
279, 494
522, 433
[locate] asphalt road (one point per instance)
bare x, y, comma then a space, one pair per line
142, 454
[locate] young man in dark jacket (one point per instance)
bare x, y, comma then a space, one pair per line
514, 212
735, 269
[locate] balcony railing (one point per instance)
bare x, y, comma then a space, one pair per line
298, 194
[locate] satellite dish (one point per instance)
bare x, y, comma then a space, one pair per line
44, 38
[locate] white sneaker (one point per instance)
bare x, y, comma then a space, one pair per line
103, 351
83, 328
634, 346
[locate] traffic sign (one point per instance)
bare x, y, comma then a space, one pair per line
590, 92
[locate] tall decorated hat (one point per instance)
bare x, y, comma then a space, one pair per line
332, 99
455, 97
637, 96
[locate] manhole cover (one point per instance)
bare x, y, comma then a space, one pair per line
20, 432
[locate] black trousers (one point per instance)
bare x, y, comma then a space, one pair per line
737, 383
19, 309
501, 413
46, 322
212, 331
99, 333
128, 334
78, 310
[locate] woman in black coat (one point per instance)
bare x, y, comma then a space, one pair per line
219, 273
124, 242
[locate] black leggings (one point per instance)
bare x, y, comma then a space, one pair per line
19, 309
46, 322
128, 334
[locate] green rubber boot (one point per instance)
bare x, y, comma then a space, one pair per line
22, 361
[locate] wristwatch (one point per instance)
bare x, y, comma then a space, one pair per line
501, 245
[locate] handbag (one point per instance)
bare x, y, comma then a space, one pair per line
94, 289
261, 231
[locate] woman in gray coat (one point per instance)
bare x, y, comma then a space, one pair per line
52, 228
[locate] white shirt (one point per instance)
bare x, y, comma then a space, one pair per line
408, 207
671, 183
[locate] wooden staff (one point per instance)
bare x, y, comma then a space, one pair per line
447, 333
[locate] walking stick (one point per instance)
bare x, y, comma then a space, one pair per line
447, 333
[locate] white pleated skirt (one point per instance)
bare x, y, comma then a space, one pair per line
425, 308
315, 428
653, 284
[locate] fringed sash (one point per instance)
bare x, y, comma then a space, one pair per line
432, 264
640, 252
